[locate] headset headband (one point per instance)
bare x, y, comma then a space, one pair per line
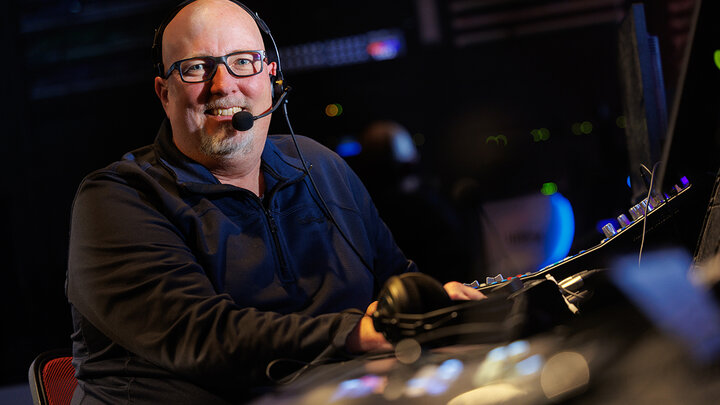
157, 40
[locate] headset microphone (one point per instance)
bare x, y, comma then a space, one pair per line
244, 120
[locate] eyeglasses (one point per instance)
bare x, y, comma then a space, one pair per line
202, 69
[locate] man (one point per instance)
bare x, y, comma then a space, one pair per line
198, 260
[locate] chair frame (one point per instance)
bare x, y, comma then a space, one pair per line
36, 378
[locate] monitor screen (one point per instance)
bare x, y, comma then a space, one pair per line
692, 145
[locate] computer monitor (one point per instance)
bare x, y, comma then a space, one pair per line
692, 145
643, 95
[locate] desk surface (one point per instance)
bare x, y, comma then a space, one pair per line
609, 356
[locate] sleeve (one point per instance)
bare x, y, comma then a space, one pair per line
131, 274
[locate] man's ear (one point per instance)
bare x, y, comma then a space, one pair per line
272, 68
161, 90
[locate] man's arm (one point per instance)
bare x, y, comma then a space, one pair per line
132, 275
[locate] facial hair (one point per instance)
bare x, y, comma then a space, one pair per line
226, 144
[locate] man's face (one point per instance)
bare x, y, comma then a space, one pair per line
201, 113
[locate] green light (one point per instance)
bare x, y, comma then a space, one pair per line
586, 127
544, 134
716, 56
576, 128
497, 139
621, 121
549, 188
536, 135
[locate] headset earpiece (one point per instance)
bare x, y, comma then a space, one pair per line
413, 293
407, 294
277, 86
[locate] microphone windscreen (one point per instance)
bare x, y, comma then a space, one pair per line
242, 120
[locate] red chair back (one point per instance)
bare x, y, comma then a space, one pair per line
52, 378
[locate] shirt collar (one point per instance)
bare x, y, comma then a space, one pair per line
193, 175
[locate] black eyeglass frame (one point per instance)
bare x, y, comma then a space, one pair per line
217, 60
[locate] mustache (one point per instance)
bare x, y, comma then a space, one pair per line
224, 103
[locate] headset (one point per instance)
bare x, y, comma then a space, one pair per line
278, 94
277, 80
415, 306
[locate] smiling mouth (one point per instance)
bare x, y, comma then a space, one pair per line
223, 112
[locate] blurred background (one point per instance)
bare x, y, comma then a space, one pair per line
465, 107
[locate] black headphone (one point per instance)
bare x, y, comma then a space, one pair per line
403, 302
277, 80
416, 306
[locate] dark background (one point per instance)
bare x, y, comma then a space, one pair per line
78, 93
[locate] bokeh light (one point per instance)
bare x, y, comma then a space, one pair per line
499, 140
621, 121
549, 188
333, 110
540, 134
575, 128
586, 127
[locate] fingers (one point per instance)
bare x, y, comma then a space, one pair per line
364, 338
371, 308
459, 291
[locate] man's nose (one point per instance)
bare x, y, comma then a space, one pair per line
223, 82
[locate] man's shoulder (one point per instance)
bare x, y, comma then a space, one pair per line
285, 144
313, 151
139, 160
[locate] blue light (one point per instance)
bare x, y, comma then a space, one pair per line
385, 49
529, 366
450, 369
358, 387
601, 223
497, 354
628, 182
661, 286
518, 347
348, 148
561, 229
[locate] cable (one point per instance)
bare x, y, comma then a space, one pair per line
647, 210
281, 78
324, 204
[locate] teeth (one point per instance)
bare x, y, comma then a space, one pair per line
224, 111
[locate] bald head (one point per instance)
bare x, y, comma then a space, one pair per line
200, 113
198, 19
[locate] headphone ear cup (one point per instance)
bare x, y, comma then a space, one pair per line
408, 293
412, 293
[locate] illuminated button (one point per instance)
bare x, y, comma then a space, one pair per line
637, 211
654, 202
609, 230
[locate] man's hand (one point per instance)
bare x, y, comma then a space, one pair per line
459, 291
364, 338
